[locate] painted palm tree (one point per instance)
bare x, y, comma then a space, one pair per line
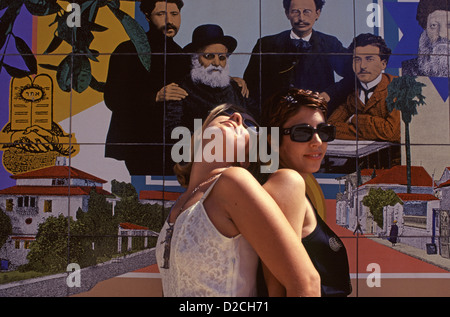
405, 94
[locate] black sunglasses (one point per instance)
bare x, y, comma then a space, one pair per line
247, 123
304, 132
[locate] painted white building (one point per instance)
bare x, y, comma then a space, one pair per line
162, 198
414, 215
414, 219
39, 194
128, 231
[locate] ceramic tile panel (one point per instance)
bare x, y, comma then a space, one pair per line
400, 268
31, 111
80, 219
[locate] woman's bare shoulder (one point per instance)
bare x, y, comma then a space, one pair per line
237, 182
287, 176
236, 175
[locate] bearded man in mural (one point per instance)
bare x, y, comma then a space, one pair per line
134, 94
433, 60
209, 83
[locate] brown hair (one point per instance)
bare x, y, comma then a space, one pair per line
183, 170
319, 4
284, 105
147, 6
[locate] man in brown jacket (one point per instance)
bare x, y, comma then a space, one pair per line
365, 114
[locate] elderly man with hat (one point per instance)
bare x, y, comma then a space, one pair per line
434, 42
209, 83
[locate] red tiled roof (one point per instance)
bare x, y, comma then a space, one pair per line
24, 238
57, 172
416, 197
158, 195
369, 171
397, 175
52, 190
444, 184
132, 226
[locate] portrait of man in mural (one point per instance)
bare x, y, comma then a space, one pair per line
433, 47
135, 133
364, 115
318, 53
209, 83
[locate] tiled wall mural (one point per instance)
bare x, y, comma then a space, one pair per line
83, 185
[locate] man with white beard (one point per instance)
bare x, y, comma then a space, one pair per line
209, 83
434, 43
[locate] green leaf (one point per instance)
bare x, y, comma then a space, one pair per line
49, 66
16, 72
27, 54
63, 74
7, 20
96, 27
63, 30
77, 76
136, 34
42, 7
54, 44
92, 54
114, 4
81, 73
93, 11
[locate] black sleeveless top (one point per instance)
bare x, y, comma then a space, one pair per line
329, 256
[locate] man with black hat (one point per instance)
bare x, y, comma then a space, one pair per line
209, 83
434, 43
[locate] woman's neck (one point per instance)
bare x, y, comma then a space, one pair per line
201, 171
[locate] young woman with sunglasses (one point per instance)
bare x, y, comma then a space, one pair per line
304, 133
225, 221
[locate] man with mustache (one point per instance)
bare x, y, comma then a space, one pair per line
209, 83
134, 94
433, 59
305, 58
364, 115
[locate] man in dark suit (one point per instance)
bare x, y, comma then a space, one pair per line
304, 58
134, 94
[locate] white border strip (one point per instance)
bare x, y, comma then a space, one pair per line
403, 275
352, 275
140, 275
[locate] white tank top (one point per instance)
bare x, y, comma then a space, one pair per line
203, 262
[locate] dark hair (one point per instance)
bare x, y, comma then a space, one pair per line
426, 7
319, 4
147, 6
365, 39
285, 104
